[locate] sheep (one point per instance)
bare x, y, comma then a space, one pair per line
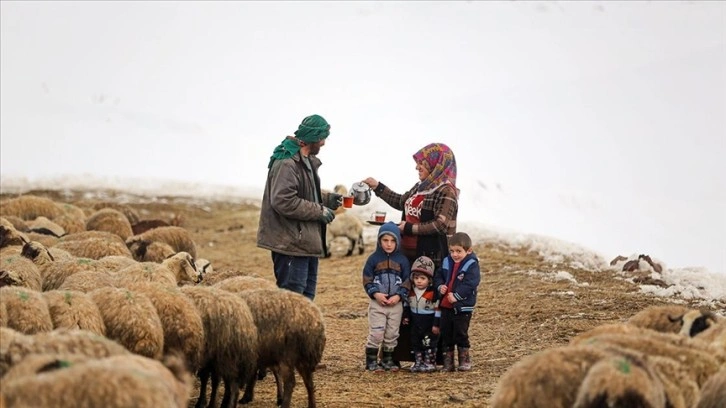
662, 318
240, 283
127, 211
713, 392
696, 321
292, 337
624, 380
131, 319
114, 263
177, 237
56, 272
19, 271
701, 362
45, 239
114, 382
79, 236
15, 346
547, 379
180, 267
681, 388
151, 251
715, 336
230, 342
203, 267
43, 225
145, 225
74, 310
348, 226
29, 207
27, 311
9, 236
180, 320
72, 218
110, 220
42, 256
94, 248
87, 281
211, 278
15, 222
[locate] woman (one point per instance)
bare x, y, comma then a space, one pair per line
429, 215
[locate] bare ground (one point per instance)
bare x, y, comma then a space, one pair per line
518, 312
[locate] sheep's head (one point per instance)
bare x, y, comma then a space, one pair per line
10, 236
9, 278
37, 252
183, 267
696, 321
203, 267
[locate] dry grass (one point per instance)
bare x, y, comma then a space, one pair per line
518, 312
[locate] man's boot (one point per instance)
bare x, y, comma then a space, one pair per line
418, 364
372, 360
448, 361
387, 360
429, 365
464, 359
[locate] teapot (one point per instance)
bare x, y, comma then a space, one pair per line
361, 193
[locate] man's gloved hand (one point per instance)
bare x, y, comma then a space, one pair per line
333, 201
327, 216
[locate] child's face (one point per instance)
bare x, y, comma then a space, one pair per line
388, 243
458, 252
420, 281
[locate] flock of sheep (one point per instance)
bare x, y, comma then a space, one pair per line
100, 308
663, 356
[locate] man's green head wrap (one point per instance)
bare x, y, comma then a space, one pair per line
313, 128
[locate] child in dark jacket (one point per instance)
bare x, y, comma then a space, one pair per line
421, 311
457, 281
384, 272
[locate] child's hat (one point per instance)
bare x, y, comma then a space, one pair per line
423, 264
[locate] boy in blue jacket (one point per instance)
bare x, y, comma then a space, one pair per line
384, 273
456, 281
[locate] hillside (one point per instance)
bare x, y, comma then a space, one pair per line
526, 304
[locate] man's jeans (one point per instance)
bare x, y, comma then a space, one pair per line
296, 273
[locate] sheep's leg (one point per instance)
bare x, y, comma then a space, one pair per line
231, 393
351, 248
249, 394
307, 377
278, 384
288, 384
203, 375
361, 247
215, 387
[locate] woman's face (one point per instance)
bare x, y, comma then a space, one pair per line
422, 171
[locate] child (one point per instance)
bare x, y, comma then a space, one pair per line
383, 275
422, 312
457, 281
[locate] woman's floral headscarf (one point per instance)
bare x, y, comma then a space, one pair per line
440, 161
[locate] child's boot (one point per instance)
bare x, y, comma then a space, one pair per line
372, 360
387, 360
429, 361
418, 364
448, 361
464, 359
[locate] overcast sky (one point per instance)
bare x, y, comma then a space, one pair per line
601, 122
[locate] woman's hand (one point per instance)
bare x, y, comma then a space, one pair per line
372, 183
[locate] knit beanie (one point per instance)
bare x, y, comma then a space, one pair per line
313, 128
424, 265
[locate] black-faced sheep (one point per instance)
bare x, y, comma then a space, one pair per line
151, 251
182, 323
621, 381
670, 319
113, 382
131, 319
74, 310
27, 310
110, 220
231, 342
43, 225
292, 337
177, 237
19, 271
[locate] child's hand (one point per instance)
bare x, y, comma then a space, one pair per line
435, 330
451, 297
393, 300
404, 321
442, 289
380, 298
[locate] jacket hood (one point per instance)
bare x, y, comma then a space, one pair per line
389, 228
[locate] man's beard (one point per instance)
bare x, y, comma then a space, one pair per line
315, 148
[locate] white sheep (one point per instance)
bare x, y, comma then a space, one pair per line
74, 310
29, 207
713, 392
176, 270
43, 225
348, 226
27, 310
94, 248
665, 318
110, 220
87, 281
16, 270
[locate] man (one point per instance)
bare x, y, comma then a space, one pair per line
294, 213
